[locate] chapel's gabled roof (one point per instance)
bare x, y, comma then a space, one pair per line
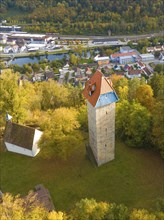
19, 135
96, 87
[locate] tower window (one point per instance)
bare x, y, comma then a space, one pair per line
92, 88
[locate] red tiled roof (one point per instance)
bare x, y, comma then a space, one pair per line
115, 55
95, 86
134, 72
147, 71
141, 64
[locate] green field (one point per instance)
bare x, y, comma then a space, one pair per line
134, 178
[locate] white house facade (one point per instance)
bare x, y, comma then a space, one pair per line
21, 139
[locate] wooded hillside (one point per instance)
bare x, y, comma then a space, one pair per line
86, 16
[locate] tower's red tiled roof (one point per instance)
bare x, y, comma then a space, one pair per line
96, 86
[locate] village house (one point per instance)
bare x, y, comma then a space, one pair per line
117, 67
125, 55
8, 49
3, 39
150, 49
88, 71
101, 60
133, 74
121, 74
11, 49
153, 49
127, 67
147, 72
65, 73
161, 57
29, 38
158, 48
126, 49
11, 41
49, 74
22, 139
141, 65
124, 58
146, 57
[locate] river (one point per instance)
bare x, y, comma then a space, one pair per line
24, 60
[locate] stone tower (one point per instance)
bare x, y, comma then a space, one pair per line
101, 99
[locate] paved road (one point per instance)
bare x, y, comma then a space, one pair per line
130, 37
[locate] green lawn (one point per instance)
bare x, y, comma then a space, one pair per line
134, 178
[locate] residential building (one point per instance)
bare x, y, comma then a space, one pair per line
146, 57
101, 60
127, 59
150, 49
124, 58
158, 48
126, 49
147, 71
3, 39
22, 139
161, 57
133, 74
8, 49
141, 65
31, 38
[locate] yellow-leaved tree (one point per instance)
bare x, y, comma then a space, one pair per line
61, 135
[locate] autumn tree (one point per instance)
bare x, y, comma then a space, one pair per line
56, 216
133, 86
88, 209
119, 212
75, 98
13, 97
53, 95
158, 127
144, 95
141, 214
157, 84
74, 59
17, 208
158, 68
61, 135
83, 117
121, 87
132, 123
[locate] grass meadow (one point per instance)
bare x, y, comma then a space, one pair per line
134, 178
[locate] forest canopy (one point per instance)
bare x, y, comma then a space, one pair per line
85, 17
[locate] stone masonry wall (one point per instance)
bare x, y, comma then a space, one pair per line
101, 122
